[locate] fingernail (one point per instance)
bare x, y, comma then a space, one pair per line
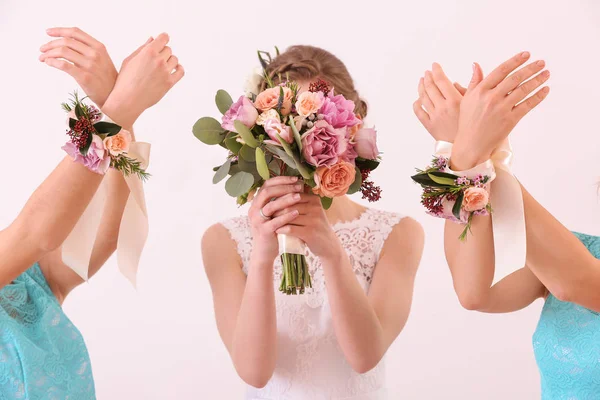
296, 196
295, 212
298, 187
294, 179
474, 65
541, 63
525, 54
546, 74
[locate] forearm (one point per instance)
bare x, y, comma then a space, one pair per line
47, 218
254, 344
357, 328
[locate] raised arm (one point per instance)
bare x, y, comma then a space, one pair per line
245, 306
365, 324
438, 108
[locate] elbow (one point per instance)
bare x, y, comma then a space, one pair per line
362, 365
562, 292
255, 377
472, 301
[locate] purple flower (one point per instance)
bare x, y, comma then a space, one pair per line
242, 110
463, 181
338, 111
323, 145
96, 160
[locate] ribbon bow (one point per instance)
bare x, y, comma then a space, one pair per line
133, 231
508, 216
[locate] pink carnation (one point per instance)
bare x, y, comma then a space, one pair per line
97, 158
323, 145
242, 110
339, 112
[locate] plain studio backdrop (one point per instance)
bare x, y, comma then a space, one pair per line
160, 341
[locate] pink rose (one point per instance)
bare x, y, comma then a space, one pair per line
323, 145
274, 128
334, 181
365, 143
338, 111
309, 103
475, 199
119, 143
269, 99
242, 110
97, 159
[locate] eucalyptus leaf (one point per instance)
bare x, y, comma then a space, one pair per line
208, 130
326, 202
235, 168
222, 172
458, 205
239, 184
223, 100
297, 137
289, 161
355, 186
107, 128
261, 164
232, 144
248, 153
286, 146
245, 134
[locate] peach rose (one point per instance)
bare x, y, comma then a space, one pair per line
119, 143
267, 115
269, 99
475, 199
309, 103
334, 181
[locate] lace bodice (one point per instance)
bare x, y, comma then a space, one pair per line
310, 362
42, 354
567, 346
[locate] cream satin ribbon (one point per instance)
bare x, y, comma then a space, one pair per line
508, 217
133, 231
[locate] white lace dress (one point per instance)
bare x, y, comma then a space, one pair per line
310, 363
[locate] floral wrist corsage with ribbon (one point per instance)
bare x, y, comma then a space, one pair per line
456, 196
99, 144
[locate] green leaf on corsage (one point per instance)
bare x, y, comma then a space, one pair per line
107, 128
72, 123
458, 205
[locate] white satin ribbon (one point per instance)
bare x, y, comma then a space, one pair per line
133, 231
290, 245
508, 216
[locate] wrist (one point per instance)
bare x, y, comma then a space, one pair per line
334, 256
120, 109
463, 158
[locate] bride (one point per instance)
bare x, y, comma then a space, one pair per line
328, 343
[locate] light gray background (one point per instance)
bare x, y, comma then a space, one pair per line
160, 342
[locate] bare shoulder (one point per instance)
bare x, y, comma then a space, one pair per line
219, 248
406, 241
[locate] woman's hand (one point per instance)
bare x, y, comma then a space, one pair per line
144, 79
493, 106
438, 105
84, 58
312, 227
275, 199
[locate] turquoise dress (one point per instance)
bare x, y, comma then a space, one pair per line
567, 346
42, 354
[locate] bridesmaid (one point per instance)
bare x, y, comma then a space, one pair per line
562, 267
42, 354
328, 343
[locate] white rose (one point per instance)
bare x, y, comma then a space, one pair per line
253, 82
267, 115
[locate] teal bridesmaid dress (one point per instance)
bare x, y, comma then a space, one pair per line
567, 346
42, 354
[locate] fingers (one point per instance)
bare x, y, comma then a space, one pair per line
476, 78
63, 66
137, 51
265, 194
502, 71
420, 113
522, 109
177, 74
74, 33
303, 206
432, 90
527, 88
275, 207
67, 54
424, 97
518, 77
442, 82
69, 43
172, 63
160, 42
292, 230
462, 90
279, 180
166, 53
276, 223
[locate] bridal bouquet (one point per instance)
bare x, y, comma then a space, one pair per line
314, 135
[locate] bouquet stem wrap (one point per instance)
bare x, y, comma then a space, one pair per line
295, 276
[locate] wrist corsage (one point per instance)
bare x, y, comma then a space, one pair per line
456, 196
98, 144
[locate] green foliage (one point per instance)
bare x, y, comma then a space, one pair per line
261, 164
208, 130
355, 186
222, 172
223, 101
239, 184
246, 134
